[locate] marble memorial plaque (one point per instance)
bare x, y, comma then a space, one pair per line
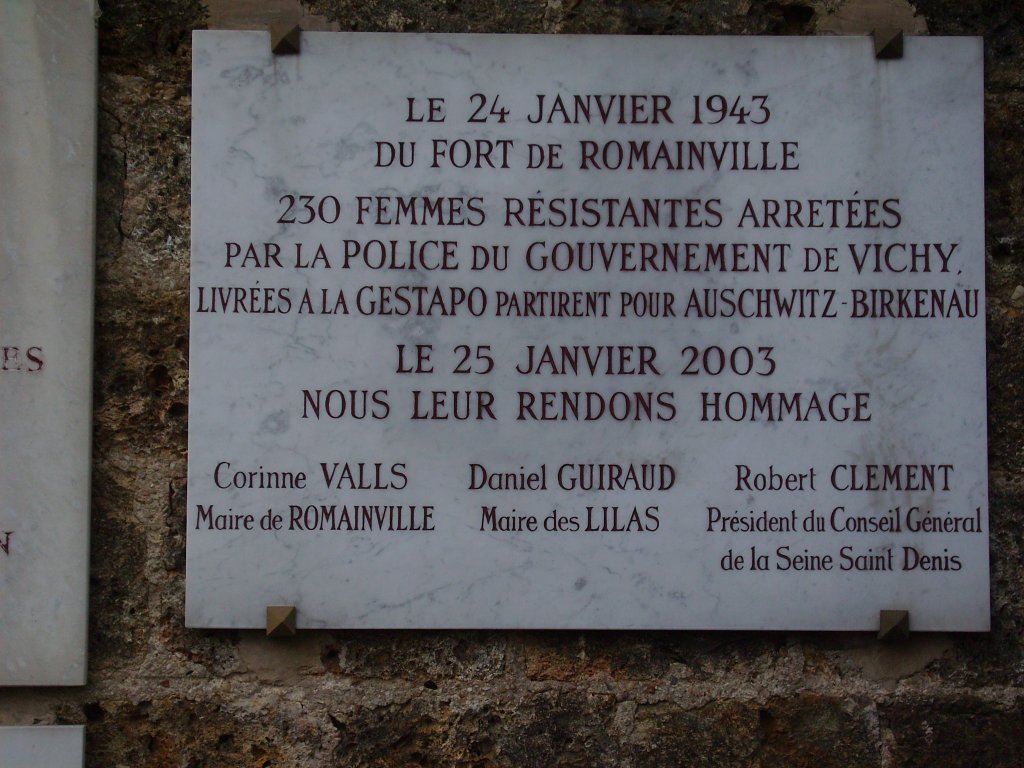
587, 332
42, 746
47, 192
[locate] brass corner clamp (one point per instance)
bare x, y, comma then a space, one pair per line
281, 621
888, 42
285, 39
893, 625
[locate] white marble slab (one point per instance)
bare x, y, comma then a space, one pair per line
42, 746
47, 164
896, 144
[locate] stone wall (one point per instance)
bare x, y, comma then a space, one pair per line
162, 695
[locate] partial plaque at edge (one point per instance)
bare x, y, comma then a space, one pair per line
42, 746
47, 164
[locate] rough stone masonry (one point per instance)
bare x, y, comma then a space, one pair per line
162, 695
